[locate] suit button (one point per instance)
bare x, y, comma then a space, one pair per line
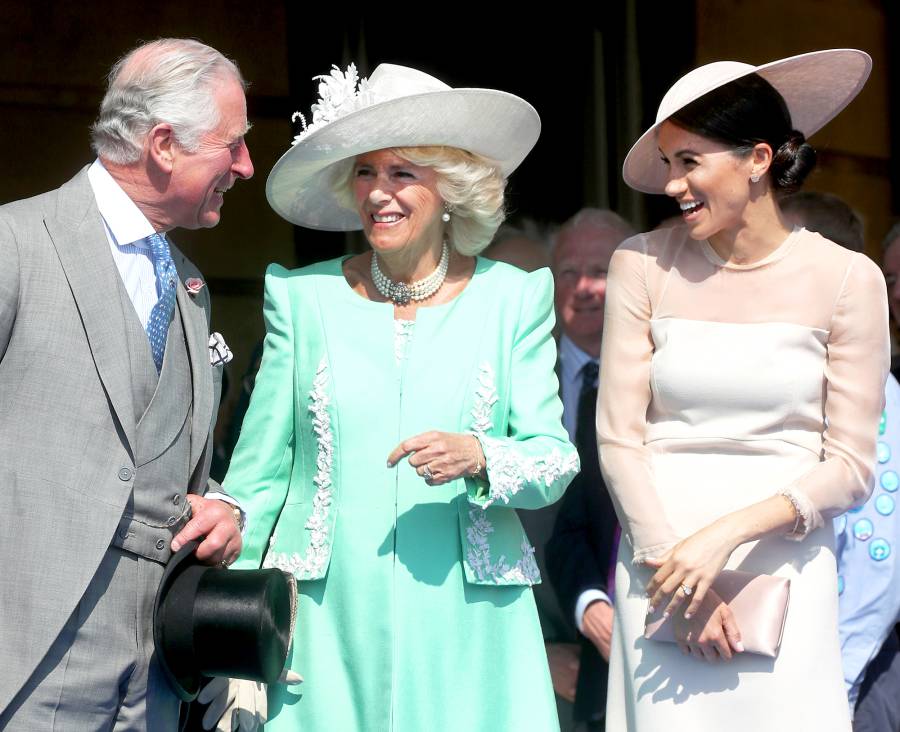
171, 521
125, 474
160, 544
176, 499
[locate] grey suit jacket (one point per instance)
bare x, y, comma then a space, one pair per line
66, 418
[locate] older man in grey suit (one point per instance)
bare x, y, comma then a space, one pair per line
108, 393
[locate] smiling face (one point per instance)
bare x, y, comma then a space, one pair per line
710, 181
580, 264
891, 267
200, 178
398, 202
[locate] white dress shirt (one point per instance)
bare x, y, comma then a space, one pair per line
126, 228
571, 361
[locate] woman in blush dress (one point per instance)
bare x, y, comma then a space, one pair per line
742, 374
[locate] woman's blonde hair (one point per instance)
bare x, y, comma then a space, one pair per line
470, 185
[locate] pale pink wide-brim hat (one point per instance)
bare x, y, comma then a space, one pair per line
815, 86
396, 107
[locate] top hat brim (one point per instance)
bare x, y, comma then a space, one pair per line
494, 124
212, 621
815, 87
185, 685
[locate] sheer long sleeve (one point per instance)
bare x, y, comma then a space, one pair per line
623, 399
857, 365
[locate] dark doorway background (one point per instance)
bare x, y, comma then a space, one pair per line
596, 77
556, 63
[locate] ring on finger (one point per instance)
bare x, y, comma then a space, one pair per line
688, 591
426, 473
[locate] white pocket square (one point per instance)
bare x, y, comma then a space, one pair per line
219, 352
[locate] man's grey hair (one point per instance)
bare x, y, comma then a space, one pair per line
525, 228
598, 219
171, 80
826, 214
892, 236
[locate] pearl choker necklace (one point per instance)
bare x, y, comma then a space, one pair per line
400, 293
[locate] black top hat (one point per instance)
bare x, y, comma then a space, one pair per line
212, 621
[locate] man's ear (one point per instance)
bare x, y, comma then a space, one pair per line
161, 147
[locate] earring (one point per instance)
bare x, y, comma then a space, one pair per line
754, 178
445, 217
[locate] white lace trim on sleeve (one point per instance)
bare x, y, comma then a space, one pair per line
508, 469
319, 549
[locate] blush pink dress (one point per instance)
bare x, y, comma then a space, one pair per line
722, 385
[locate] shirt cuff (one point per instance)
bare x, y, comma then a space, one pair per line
225, 498
585, 599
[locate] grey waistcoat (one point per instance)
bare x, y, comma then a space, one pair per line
162, 403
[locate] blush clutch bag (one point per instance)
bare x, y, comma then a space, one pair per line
759, 603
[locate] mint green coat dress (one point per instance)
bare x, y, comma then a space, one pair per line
416, 611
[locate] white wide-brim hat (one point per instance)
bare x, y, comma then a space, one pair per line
396, 107
815, 86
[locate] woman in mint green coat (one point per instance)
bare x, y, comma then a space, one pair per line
405, 407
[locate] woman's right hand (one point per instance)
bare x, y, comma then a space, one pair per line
685, 573
440, 457
710, 634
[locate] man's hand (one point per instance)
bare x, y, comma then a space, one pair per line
215, 521
564, 661
597, 624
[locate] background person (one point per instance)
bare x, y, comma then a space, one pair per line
580, 552
890, 262
523, 247
826, 214
865, 537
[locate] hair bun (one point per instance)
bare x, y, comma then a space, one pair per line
792, 162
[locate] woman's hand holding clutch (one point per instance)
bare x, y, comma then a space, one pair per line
711, 633
688, 569
440, 457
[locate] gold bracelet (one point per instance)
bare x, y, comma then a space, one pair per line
798, 517
478, 466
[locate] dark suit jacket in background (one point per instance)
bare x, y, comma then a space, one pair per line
556, 625
578, 556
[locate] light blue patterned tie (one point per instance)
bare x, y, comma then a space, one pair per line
166, 282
